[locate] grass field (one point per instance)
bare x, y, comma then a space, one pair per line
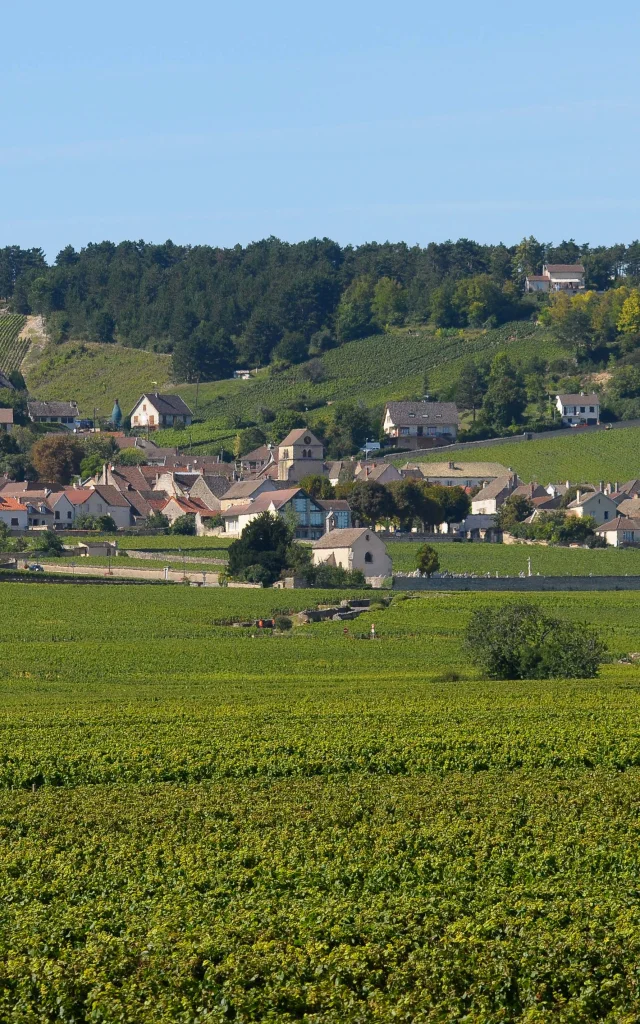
199, 825
12, 348
582, 458
511, 559
210, 547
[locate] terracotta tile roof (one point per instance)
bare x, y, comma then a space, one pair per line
8, 504
77, 495
189, 506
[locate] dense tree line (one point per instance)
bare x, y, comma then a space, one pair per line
273, 301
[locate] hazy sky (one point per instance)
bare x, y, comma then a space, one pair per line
220, 123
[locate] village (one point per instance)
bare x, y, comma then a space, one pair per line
347, 510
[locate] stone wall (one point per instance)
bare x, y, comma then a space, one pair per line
522, 584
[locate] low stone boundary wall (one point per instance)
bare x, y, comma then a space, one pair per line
524, 584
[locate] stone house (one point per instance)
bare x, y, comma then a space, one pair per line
358, 548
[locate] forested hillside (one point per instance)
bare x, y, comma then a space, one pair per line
274, 302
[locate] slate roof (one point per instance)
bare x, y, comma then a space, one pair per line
564, 268
263, 502
166, 405
261, 454
218, 485
579, 399
629, 507
341, 538
55, 409
333, 504
406, 413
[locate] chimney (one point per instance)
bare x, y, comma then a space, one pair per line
578, 495
616, 485
601, 487
567, 484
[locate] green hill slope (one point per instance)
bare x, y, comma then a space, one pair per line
13, 348
94, 375
373, 370
582, 458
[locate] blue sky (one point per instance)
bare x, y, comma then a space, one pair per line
220, 123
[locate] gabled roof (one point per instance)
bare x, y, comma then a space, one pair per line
76, 495
294, 436
8, 504
270, 499
588, 496
261, 454
333, 504
629, 507
111, 495
188, 505
620, 523
243, 489
166, 405
53, 409
495, 488
373, 472
405, 413
459, 470
579, 399
218, 485
6, 415
564, 268
342, 538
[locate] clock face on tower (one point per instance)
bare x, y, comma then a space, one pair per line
307, 440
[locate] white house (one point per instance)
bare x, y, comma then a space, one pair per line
596, 504
65, 413
488, 500
579, 409
557, 277
13, 513
155, 411
97, 500
420, 424
620, 531
358, 548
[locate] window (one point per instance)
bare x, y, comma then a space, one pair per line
144, 408
99, 507
285, 454
56, 515
582, 408
14, 522
368, 557
627, 536
69, 515
152, 420
592, 408
606, 515
404, 431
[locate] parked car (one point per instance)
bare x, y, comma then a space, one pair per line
35, 567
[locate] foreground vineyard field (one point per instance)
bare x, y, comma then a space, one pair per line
511, 559
311, 827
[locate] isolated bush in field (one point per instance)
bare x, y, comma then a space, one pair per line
283, 622
520, 642
428, 561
